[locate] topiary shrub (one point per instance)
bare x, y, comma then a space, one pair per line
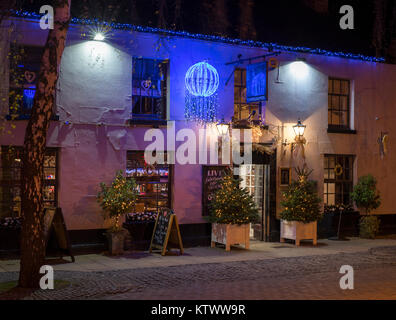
118, 198
369, 227
366, 196
365, 193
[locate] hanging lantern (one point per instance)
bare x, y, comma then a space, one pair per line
202, 82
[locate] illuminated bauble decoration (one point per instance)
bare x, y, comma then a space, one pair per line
202, 79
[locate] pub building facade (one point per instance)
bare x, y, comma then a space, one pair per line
113, 89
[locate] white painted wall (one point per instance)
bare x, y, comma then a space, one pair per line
95, 87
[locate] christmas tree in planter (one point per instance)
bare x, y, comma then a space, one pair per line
232, 209
301, 209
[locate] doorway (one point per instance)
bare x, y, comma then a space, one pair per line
256, 178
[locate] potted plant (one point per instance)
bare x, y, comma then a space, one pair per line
338, 222
116, 200
367, 197
231, 211
140, 226
301, 210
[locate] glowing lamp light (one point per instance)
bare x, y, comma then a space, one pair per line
222, 127
99, 37
299, 68
202, 79
299, 129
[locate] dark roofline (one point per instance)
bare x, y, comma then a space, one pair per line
250, 43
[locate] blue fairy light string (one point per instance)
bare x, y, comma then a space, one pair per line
184, 34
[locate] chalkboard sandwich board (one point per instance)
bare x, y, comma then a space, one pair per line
211, 178
54, 221
166, 233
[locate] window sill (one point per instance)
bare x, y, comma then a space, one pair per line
55, 117
341, 130
148, 122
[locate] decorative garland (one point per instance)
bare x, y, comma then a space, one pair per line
250, 43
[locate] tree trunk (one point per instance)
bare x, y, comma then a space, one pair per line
32, 235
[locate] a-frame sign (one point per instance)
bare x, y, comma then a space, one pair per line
166, 233
54, 221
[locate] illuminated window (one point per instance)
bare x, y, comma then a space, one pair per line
149, 88
24, 71
10, 182
242, 109
339, 104
153, 182
338, 179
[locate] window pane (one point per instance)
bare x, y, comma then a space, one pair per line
49, 193
50, 161
243, 110
331, 162
336, 87
326, 162
345, 87
237, 94
346, 163
335, 102
149, 88
330, 199
344, 102
344, 118
339, 187
10, 192
237, 77
244, 78
335, 117
338, 198
24, 70
153, 180
243, 95
49, 173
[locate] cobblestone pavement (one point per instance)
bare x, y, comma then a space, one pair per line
312, 277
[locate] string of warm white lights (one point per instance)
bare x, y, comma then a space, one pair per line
250, 43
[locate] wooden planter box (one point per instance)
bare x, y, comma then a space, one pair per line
298, 231
328, 226
9, 240
140, 233
230, 234
116, 242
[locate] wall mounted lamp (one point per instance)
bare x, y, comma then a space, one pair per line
222, 127
299, 130
99, 37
